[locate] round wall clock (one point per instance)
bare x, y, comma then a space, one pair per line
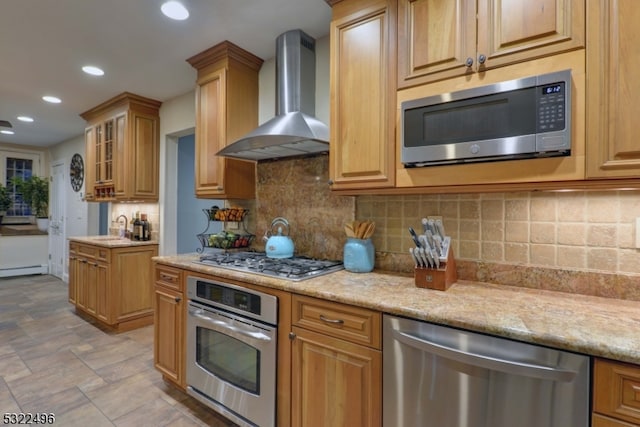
76, 172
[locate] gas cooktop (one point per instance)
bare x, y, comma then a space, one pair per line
296, 269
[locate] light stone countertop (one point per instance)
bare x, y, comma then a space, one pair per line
591, 325
110, 241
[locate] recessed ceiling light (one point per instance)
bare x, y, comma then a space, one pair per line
52, 99
94, 71
175, 10
25, 119
7, 132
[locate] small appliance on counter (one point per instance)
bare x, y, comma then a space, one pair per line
278, 243
435, 266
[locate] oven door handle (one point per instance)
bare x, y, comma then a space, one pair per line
483, 361
198, 313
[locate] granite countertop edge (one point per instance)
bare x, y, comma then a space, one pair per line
596, 326
110, 241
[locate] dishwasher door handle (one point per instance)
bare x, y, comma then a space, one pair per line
488, 362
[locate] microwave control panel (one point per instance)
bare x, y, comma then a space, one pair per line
551, 107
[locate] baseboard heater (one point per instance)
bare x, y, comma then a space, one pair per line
24, 271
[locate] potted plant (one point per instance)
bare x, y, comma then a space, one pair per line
35, 192
5, 201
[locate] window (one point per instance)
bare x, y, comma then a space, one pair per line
22, 168
23, 164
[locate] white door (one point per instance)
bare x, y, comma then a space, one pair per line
57, 210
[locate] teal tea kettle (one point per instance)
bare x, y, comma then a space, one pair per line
278, 242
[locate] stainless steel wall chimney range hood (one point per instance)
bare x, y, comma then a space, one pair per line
294, 131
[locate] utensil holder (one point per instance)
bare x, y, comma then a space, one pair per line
437, 278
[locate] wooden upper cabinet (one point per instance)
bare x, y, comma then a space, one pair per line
123, 149
226, 109
362, 91
439, 39
613, 92
435, 39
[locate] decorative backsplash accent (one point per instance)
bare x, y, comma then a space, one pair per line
575, 241
298, 190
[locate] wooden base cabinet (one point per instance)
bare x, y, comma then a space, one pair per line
114, 286
170, 322
616, 401
336, 365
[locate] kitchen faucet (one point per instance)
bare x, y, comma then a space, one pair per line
126, 232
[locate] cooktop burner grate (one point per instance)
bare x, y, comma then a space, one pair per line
296, 268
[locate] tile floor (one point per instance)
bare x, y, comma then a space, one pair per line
53, 361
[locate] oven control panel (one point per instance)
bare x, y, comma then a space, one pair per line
247, 302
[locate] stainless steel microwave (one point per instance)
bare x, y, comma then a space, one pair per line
516, 119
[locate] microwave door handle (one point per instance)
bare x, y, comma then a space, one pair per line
488, 362
222, 326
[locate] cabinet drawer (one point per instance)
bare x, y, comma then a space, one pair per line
87, 251
169, 277
617, 390
355, 324
600, 421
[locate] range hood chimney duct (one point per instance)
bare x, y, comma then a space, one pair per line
294, 131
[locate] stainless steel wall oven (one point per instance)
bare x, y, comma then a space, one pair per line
231, 350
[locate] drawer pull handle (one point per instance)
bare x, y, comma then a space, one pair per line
166, 277
331, 321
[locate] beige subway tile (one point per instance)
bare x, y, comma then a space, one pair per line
543, 254
602, 259
449, 209
516, 252
517, 209
453, 196
469, 249
602, 207
602, 235
543, 209
469, 209
492, 210
572, 234
517, 195
396, 244
627, 236
410, 209
492, 231
629, 202
492, 251
517, 231
628, 261
572, 257
451, 227
543, 232
572, 207
469, 230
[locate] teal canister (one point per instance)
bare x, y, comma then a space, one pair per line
359, 255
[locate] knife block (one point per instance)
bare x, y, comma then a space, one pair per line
437, 278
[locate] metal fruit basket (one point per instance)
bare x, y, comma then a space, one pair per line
226, 240
226, 214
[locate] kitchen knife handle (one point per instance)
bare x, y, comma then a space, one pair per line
331, 321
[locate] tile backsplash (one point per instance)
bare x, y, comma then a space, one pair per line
568, 230
578, 230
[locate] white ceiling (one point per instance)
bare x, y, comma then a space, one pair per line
44, 44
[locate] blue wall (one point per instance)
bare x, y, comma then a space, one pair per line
191, 220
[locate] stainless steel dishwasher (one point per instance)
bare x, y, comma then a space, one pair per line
436, 376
